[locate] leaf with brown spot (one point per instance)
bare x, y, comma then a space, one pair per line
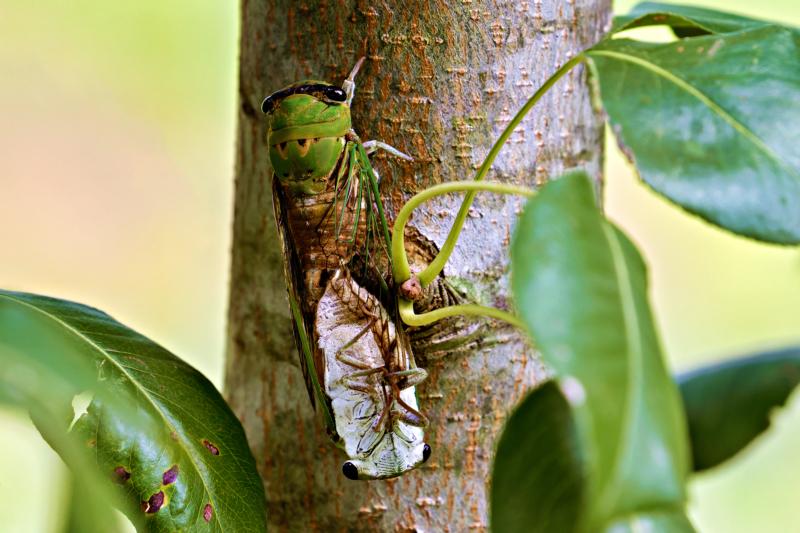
169, 477
154, 504
213, 449
134, 431
120, 475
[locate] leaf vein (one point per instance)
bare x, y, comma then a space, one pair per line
139, 388
634, 353
724, 115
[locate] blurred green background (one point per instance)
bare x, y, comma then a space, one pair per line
116, 166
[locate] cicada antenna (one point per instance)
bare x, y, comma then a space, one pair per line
353, 73
349, 84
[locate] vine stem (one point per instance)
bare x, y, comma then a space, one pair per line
406, 307
401, 270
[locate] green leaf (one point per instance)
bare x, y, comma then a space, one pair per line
158, 432
43, 376
537, 481
729, 404
653, 522
83, 518
685, 21
711, 123
581, 286
89, 509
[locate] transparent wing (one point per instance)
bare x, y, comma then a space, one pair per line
355, 219
304, 327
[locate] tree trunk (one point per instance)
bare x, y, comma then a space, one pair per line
441, 81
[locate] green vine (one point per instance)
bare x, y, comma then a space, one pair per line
400, 267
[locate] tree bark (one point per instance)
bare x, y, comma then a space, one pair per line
441, 81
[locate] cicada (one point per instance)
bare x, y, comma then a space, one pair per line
335, 242
370, 378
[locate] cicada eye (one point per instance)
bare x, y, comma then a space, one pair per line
267, 106
426, 453
335, 93
350, 471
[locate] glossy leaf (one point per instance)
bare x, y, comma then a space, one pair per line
83, 518
711, 123
685, 21
537, 481
42, 377
729, 404
158, 432
581, 286
653, 522
89, 509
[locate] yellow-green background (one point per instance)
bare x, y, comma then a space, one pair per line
116, 164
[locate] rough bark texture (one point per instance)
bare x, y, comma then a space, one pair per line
441, 81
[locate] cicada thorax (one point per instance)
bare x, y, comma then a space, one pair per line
330, 227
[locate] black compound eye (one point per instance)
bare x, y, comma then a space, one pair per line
268, 106
350, 471
426, 453
335, 93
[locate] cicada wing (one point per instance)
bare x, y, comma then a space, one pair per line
303, 325
365, 409
382, 236
371, 438
379, 225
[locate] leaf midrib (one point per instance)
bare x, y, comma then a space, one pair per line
135, 383
735, 124
634, 355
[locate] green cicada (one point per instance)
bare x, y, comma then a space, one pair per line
357, 364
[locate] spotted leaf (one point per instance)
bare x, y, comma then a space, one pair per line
160, 436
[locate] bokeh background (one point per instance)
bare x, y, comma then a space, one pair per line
116, 180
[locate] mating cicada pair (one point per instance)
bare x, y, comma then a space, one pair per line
356, 361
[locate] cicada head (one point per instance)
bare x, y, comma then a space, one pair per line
307, 125
391, 451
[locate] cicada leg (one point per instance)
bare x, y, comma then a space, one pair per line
407, 378
350, 381
377, 429
372, 146
412, 417
351, 360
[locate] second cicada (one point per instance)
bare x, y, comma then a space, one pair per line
335, 244
370, 377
